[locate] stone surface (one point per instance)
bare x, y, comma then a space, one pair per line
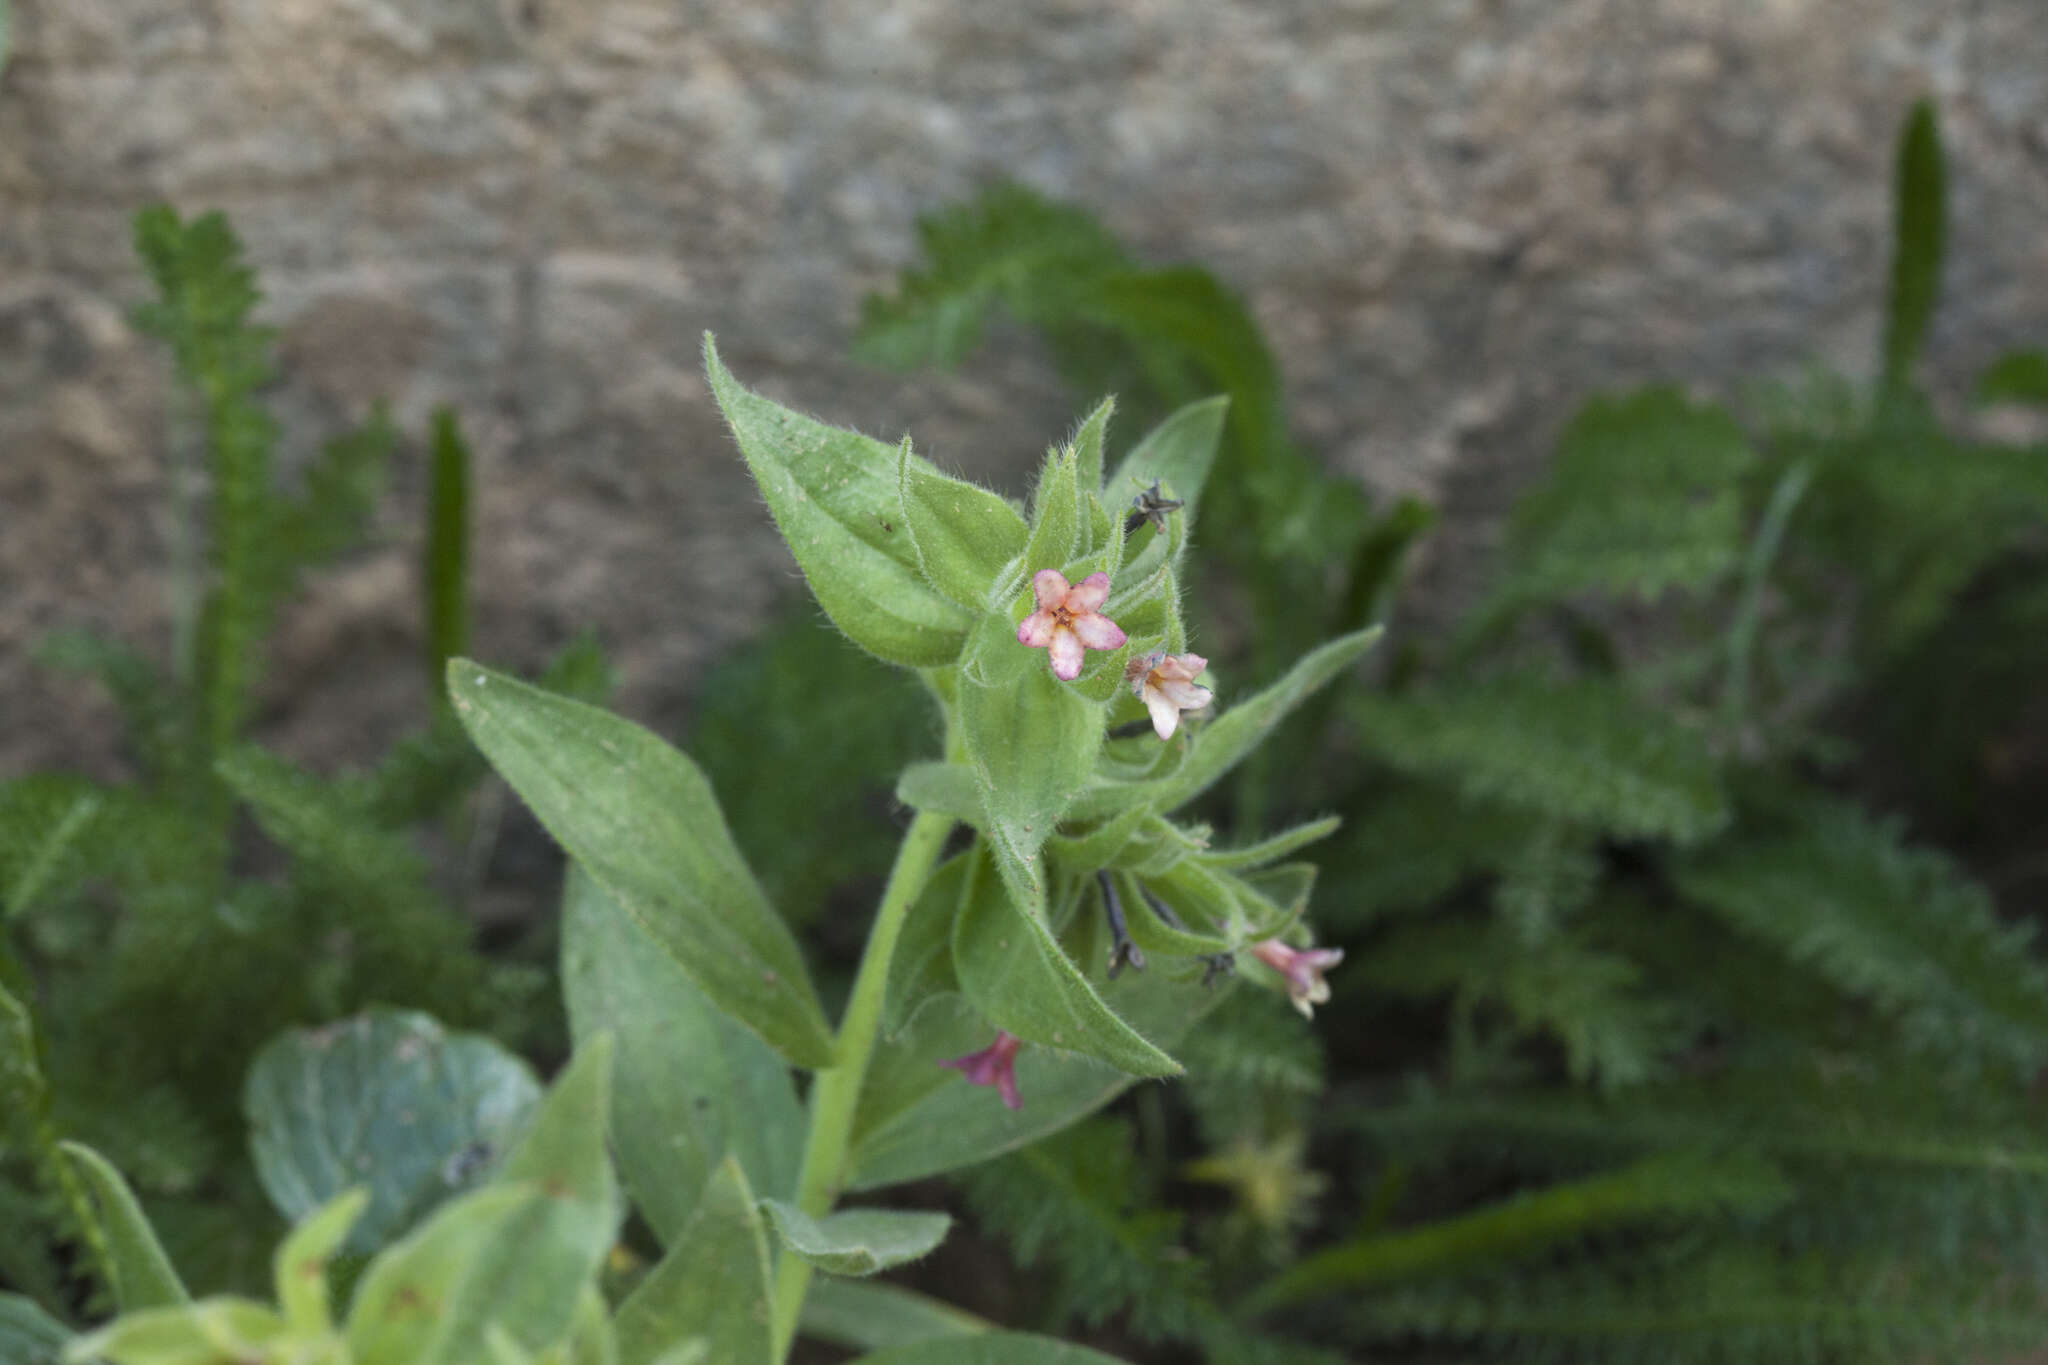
1455, 219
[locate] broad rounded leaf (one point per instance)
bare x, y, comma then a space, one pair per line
834, 496
643, 821
28, 1335
388, 1100
514, 1258
857, 1241
693, 1086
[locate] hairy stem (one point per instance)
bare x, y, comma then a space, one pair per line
835, 1095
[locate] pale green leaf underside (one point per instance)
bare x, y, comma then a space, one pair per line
857, 1241
693, 1086
388, 1100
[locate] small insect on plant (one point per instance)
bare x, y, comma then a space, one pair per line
1150, 505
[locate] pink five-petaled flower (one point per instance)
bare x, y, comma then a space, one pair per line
994, 1065
1166, 684
1303, 968
1069, 619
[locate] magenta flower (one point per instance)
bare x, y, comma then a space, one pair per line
1069, 619
1166, 684
994, 1065
1303, 968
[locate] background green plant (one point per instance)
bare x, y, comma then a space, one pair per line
162, 928
1692, 1009
1649, 843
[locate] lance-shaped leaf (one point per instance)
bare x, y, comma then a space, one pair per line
1102, 846
870, 1316
405, 1305
142, 1274
388, 1100
643, 821
835, 497
693, 1086
918, 1118
965, 536
1920, 207
300, 1266
1087, 446
1155, 935
22, 1088
857, 1241
1276, 847
1055, 516
1177, 453
1014, 970
712, 1284
1225, 741
990, 1348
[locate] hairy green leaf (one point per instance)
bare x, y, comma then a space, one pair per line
993, 1348
1224, 742
868, 1317
713, 1283
646, 825
1014, 970
693, 1086
835, 497
965, 536
857, 1241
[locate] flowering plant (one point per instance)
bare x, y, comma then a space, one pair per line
982, 1015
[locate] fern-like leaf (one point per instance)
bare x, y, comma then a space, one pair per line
1900, 927
1581, 751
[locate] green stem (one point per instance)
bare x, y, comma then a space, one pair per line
835, 1095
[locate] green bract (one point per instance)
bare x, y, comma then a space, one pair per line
835, 497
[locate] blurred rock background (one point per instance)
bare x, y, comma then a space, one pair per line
1456, 220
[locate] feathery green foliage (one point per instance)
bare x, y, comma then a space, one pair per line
1730, 1067
156, 942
